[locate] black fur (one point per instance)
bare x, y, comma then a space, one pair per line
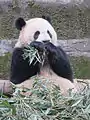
47, 18
59, 61
57, 58
38, 45
20, 23
20, 69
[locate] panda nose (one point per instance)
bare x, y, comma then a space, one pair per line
46, 41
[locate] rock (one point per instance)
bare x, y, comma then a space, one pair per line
6, 46
75, 47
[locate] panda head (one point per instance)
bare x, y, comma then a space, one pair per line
35, 29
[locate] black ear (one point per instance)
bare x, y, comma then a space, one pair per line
47, 18
20, 23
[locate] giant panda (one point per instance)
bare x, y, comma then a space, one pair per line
40, 34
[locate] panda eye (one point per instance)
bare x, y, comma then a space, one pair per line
49, 33
36, 34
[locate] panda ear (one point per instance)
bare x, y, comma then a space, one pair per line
20, 23
47, 18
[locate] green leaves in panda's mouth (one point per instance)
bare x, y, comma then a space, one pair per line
32, 54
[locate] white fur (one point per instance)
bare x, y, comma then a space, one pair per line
33, 25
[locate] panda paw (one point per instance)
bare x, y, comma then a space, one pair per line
38, 45
50, 48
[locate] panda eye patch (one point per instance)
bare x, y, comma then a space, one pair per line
36, 34
49, 33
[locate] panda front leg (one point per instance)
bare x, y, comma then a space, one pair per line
20, 68
59, 61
